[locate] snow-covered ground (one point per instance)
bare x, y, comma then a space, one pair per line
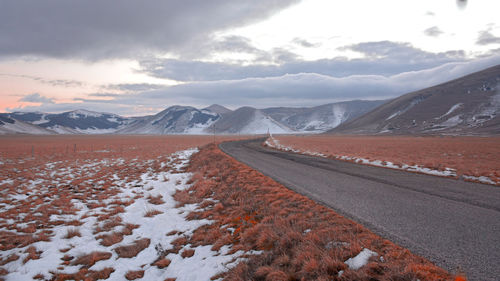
261, 124
93, 219
447, 172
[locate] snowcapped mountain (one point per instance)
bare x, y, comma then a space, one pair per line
73, 122
321, 118
190, 120
13, 126
468, 105
173, 120
248, 120
219, 109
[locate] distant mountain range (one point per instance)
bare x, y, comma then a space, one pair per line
190, 120
469, 105
466, 106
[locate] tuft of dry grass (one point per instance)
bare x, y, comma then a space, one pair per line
187, 253
152, 213
84, 274
162, 263
132, 275
110, 239
156, 200
73, 232
33, 254
10, 258
90, 259
130, 251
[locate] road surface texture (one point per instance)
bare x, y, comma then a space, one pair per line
453, 223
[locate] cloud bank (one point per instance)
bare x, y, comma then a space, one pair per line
95, 29
384, 58
301, 89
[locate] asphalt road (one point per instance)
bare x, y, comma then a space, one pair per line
453, 223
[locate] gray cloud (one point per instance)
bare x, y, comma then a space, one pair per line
96, 29
53, 82
302, 89
433, 31
313, 88
304, 43
36, 98
487, 38
381, 58
103, 95
133, 88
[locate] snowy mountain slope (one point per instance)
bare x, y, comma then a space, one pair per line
74, 122
248, 120
321, 118
13, 126
219, 109
467, 105
173, 120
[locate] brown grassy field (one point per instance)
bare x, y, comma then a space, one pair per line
121, 207
299, 239
70, 198
469, 156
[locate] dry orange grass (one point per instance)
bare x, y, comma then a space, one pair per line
84, 274
300, 239
473, 156
73, 232
152, 213
90, 259
132, 275
162, 263
130, 251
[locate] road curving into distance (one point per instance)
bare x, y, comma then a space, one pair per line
453, 223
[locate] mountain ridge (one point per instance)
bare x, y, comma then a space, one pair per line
178, 119
469, 105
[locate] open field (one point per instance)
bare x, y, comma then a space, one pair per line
469, 158
119, 207
95, 207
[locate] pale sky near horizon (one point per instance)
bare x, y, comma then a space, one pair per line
135, 58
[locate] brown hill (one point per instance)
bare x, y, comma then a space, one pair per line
469, 105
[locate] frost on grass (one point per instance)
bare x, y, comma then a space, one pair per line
100, 217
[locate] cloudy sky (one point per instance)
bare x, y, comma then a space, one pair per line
138, 57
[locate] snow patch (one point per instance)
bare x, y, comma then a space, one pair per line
163, 184
76, 114
452, 109
261, 124
361, 259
